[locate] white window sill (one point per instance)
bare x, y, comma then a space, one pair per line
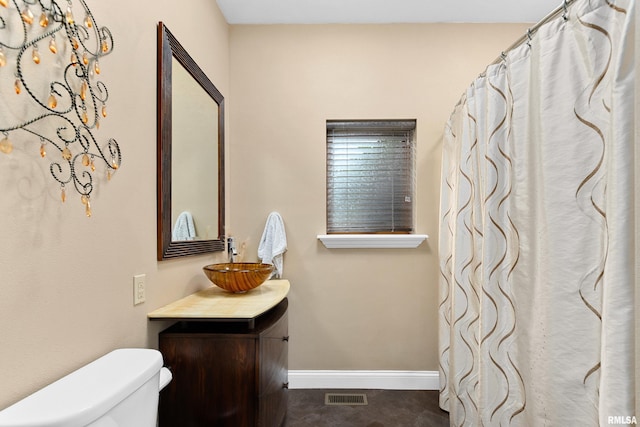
405, 241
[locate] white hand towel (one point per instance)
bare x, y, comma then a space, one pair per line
273, 243
184, 229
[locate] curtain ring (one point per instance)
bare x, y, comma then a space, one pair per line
529, 37
503, 56
565, 7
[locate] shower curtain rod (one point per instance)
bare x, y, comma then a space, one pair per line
561, 10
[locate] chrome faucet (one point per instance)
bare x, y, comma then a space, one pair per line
231, 249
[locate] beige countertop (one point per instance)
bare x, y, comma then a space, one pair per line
215, 303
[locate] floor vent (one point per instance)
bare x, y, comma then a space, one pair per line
348, 399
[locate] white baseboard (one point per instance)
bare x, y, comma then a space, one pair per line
379, 380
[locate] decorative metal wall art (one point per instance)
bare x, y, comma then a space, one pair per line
52, 62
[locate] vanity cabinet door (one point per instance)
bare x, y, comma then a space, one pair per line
212, 385
273, 394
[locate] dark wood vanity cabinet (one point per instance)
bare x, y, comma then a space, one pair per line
226, 373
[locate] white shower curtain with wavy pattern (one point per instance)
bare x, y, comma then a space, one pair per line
537, 236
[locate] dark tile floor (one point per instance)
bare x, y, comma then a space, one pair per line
386, 408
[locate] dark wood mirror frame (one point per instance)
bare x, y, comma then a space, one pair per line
168, 48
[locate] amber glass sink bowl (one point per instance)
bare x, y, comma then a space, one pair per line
238, 276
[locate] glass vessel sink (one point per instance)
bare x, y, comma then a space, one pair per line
238, 277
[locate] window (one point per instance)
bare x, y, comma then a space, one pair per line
370, 176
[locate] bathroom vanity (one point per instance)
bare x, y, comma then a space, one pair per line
228, 354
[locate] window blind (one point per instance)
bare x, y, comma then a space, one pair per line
370, 176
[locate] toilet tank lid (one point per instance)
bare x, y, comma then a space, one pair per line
86, 394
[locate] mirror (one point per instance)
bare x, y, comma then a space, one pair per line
190, 154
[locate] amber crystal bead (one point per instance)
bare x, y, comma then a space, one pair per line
85, 160
73, 59
69, 16
44, 20
85, 59
3, 58
74, 43
96, 67
27, 15
17, 86
35, 55
83, 90
88, 22
105, 47
53, 47
66, 153
4, 3
104, 110
85, 117
92, 166
6, 146
63, 195
43, 151
84, 199
87, 209
52, 101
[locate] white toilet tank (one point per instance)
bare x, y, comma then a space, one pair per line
119, 389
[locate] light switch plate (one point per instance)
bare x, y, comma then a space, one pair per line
139, 292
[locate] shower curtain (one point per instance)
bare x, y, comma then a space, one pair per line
537, 230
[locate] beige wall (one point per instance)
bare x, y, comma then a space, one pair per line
66, 280
349, 308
